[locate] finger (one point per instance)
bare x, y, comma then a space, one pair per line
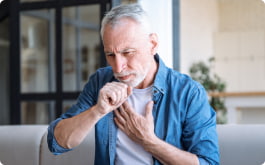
126, 106
149, 110
112, 97
123, 113
120, 90
126, 90
119, 117
107, 94
119, 124
115, 92
129, 90
119, 95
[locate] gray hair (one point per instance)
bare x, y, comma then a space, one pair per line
132, 11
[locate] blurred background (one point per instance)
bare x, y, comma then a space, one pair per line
49, 48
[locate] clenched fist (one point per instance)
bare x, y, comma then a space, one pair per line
112, 95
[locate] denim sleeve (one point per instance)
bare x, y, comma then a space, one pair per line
54, 147
199, 131
86, 99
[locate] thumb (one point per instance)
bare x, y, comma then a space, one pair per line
149, 109
129, 90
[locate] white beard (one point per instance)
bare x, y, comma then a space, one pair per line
139, 77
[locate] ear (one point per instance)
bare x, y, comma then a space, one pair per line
154, 43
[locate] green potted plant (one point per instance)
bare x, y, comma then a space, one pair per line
202, 72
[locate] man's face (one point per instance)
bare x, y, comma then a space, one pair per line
129, 51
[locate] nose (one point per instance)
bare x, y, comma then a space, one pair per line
119, 64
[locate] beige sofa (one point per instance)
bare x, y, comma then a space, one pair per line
26, 145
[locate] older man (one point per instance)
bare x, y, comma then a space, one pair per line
143, 111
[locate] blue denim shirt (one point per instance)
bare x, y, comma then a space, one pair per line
182, 116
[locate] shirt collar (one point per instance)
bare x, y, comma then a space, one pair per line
161, 75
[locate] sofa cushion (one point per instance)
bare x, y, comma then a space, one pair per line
241, 144
20, 145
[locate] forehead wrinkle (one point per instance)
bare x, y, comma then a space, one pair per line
118, 38
120, 45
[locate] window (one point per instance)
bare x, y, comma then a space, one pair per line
54, 47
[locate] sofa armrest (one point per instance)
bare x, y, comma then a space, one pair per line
20, 144
83, 154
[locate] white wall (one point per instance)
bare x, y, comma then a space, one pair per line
160, 13
198, 23
240, 45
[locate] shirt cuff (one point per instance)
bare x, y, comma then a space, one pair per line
54, 147
203, 161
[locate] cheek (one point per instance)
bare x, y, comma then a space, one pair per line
140, 61
138, 64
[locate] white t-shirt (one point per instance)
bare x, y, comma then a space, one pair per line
127, 151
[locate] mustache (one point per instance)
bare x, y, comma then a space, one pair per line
124, 73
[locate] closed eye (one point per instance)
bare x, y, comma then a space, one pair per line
110, 54
128, 53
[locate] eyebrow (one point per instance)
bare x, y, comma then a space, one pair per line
122, 51
127, 50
